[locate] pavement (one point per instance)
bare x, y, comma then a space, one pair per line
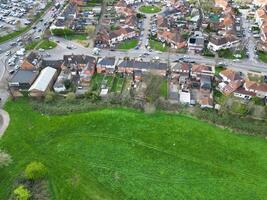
4, 121
243, 65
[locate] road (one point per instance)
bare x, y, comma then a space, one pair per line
249, 39
242, 65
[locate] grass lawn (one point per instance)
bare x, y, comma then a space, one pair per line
262, 56
77, 37
156, 45
47, 44
218, 70
107, 81
128, 44
32, 45
117, 84
149, 9
96, 82
124, 154
164, 89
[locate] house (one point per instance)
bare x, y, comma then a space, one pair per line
44, 82
31, 61
22, 80
56, 64
129, 66
227, 41
181, 72
259, 88
121, 34
173, 38
244, 94
77, 63
196, 42
199, 69
205, 82
106, 65
206, 102
229, 75
231, 87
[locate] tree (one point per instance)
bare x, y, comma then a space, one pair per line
35, 170
22, 193
5, 159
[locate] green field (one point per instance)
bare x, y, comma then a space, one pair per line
128, 44
158, 46
47, 44
149, 9
125, 154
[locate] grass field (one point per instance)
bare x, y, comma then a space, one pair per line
124, 154
128, 44
149, 9
156, 45
47, 44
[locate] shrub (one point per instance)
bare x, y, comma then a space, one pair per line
5, 159
49, 97
35, 170
70, 97
22, 193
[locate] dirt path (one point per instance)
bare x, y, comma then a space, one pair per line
4, 121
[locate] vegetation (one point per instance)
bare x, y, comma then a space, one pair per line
159, 46
149, 9
70, 34
218, 70
164, 89
5, 159
125, 154
230, 54
35, 170
262, 56
32, 45
128, 44
47, 44
22, 193
208, 53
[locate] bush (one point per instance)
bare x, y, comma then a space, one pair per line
258, 101
22, 193
62, 32
5, 159
35, 170
70, 97
49, 97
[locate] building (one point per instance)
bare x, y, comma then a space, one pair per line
106, 65
227, 41
196, 42
21, 81
44, 82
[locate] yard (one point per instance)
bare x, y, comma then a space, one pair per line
149, 9
156, 45
96, 82
262, 56
126, 154
117, 84
128, 44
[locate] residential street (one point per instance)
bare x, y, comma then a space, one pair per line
249, 39
243, 65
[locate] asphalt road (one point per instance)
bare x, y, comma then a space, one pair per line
242, 65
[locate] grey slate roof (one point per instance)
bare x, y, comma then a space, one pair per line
24, 76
